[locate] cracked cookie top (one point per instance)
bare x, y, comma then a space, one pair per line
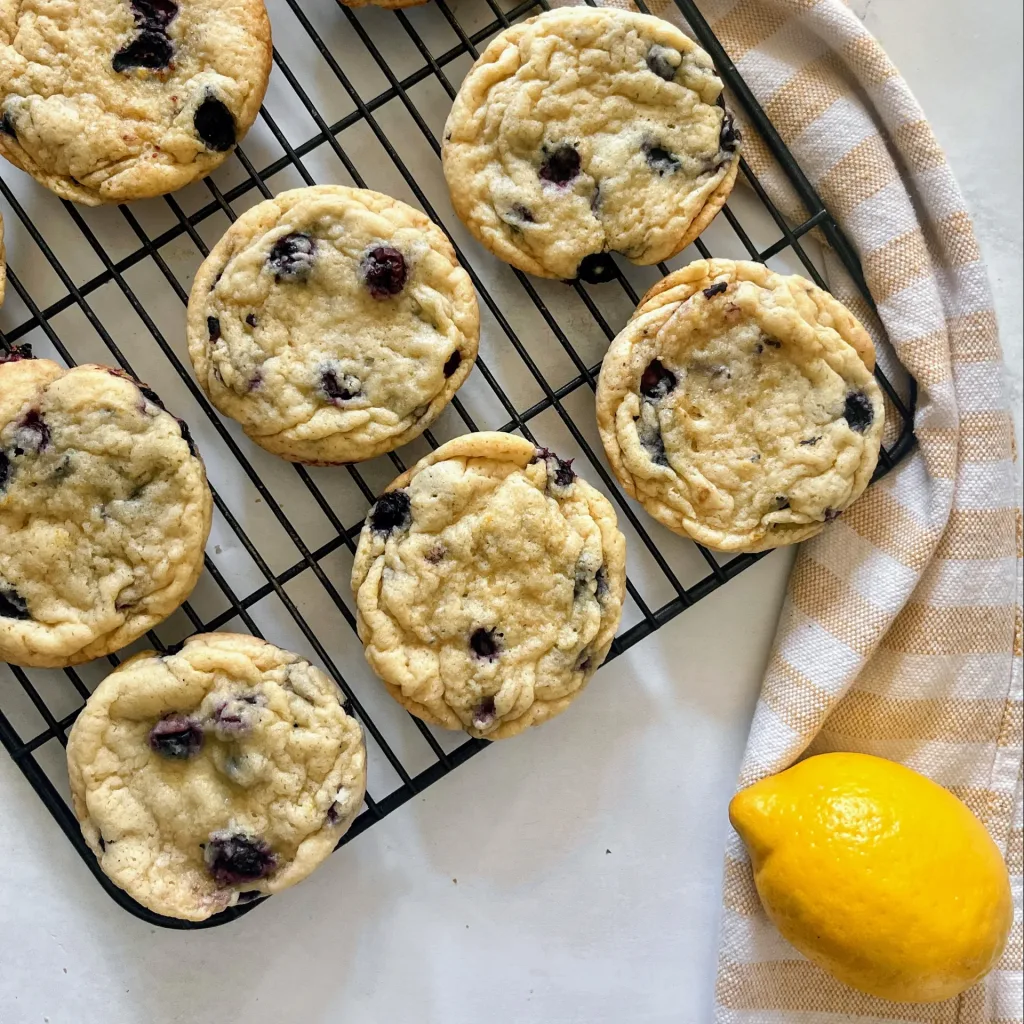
114, 100
206, 777
739, 407
585, 131
104, 511
489, 582
333, 323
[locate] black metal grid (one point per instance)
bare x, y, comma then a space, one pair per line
682, 573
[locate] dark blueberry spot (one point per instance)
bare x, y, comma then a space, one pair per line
339, 390
522, 214
235, 857
17, 353
149, 49
154, 13
333, 815
255, 381
385, 271
7, 125
772, 343
176, 737
485, 643
35, 424
5, 469
832, 513
213, 326
562, 471
781, 502
151, 396
729, 137
759, 348
811, 440
656, 381
454, 362
716, 289
659, 60
186, 436
484, 712
12, 604
660, 159
561, 165
215, 125
393, 511
251, 320
602, 583
858, 412
291, 257
653, 443
597, 268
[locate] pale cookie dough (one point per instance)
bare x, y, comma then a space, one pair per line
489, 582
738, 406
585, 131
333, 323
210, 776
105, 101
104, 511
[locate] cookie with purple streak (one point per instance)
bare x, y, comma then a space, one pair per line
206, 777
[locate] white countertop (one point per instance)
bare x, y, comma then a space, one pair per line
571, 875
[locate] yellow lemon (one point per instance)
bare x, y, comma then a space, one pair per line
877, 874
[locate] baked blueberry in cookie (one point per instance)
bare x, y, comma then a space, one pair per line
333, 323
104, 512
489, 584
215, 774
114, 100
738, 406
588, 131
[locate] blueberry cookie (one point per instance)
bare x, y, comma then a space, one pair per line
738, 406
104, 511
489, 582
105, 101
585, 131
207, 777
333, 323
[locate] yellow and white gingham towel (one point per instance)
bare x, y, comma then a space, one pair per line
901, 632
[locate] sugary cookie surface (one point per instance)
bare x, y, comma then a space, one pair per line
223, 771
489, 582
104, 512
585, 131
333, 323
112, 100
738, 406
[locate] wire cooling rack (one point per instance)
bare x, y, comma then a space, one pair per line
358, 97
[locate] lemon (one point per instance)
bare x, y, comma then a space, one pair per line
877, 874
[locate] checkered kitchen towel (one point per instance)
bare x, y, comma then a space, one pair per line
901, 632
